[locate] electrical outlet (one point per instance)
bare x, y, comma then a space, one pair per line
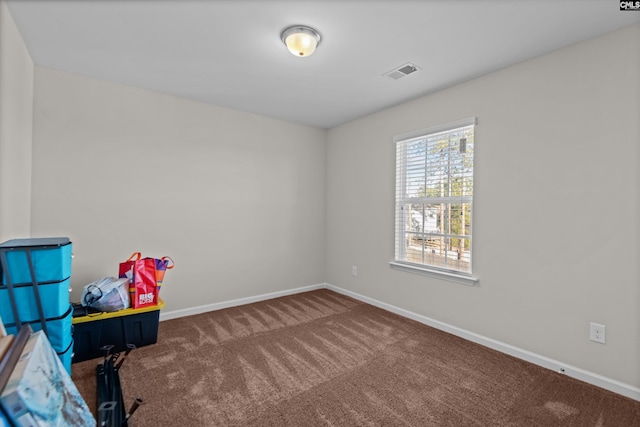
354, 270
597, 332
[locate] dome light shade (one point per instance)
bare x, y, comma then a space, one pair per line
300, 40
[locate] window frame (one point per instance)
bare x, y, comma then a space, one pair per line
400, 259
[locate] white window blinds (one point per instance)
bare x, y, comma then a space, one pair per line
434, 194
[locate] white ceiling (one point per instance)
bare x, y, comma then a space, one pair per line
229, 53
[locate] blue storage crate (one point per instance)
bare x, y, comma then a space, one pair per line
66, 357
54, 298
59, 331
51, 257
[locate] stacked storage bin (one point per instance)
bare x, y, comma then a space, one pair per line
36, 275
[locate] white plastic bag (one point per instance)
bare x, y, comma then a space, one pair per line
107, 294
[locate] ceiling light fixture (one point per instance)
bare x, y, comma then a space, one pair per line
301, 40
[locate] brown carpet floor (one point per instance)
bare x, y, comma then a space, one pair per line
323, 359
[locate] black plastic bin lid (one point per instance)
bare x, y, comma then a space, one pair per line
38, 242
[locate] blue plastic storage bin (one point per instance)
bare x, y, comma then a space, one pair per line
59, 332
66, 357
51, 257
54, 298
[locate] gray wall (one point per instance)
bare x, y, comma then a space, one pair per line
237, 200
556, 206
16, 114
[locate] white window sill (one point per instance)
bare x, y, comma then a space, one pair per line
425, 271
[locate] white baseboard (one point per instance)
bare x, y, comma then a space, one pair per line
236, 302
537, 359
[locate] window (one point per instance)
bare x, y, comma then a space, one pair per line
434, 194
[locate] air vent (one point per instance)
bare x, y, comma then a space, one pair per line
401, 71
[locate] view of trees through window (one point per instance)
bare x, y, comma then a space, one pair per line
434, 195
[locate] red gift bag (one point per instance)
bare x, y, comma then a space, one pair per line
145, 278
